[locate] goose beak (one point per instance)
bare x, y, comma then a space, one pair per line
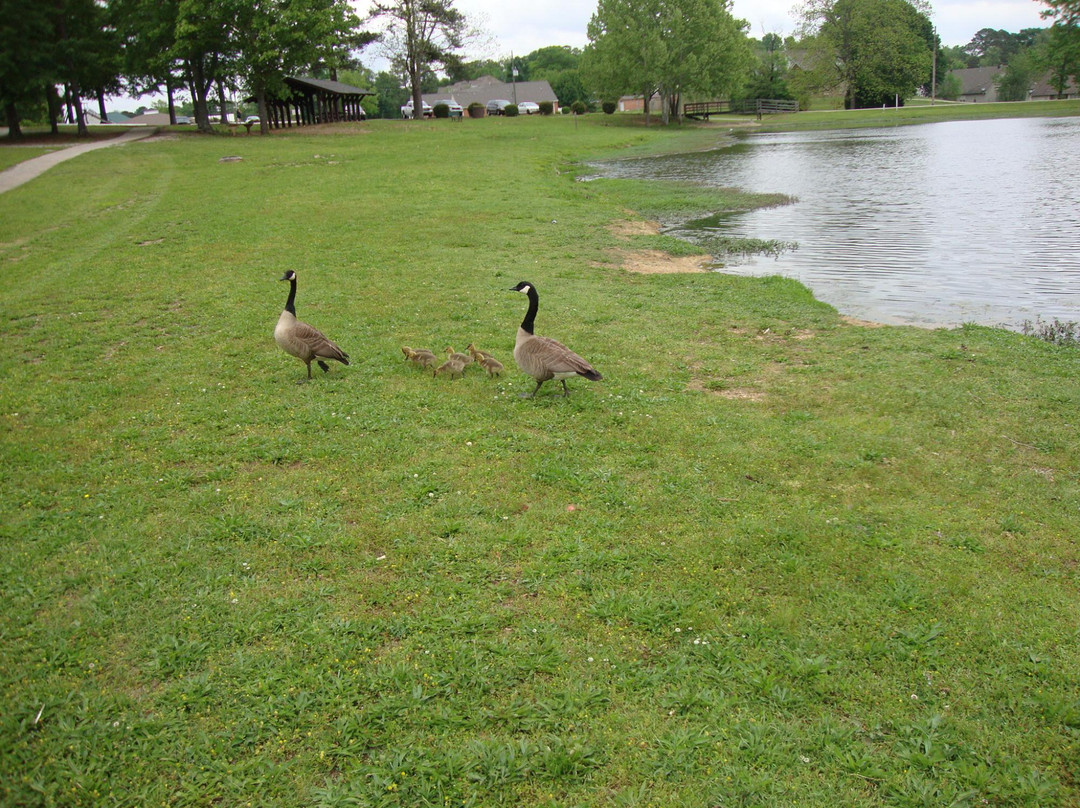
284, 277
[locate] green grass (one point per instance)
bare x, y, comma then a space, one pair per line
772, 559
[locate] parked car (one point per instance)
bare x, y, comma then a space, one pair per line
528, 108
497, 106
455, 108
407, 110
251, 119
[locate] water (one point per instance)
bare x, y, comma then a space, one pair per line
930, 225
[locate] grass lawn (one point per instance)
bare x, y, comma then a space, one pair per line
772, 559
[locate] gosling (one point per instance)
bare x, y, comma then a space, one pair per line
452, 366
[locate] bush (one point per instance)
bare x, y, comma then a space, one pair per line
579, 108
510, 110
441, 110
546, 107
476, 110
609, 107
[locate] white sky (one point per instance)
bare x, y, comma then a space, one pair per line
524, 27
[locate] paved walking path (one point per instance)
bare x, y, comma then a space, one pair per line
28, 169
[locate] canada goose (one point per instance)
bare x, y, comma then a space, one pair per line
542, 357
477, 354
451, 366
302, 340
421, 356
492, 365
464, 358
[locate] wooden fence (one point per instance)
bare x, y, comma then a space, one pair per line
701, 110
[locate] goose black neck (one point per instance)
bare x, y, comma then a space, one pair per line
528, 324
290, 304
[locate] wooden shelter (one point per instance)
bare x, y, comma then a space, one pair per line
310, 101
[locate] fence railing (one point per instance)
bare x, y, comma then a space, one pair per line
752, 106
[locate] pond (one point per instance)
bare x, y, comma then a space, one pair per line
932, 225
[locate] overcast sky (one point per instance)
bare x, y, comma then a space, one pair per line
524, 27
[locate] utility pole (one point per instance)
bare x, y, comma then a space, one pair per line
513, 76
933, 74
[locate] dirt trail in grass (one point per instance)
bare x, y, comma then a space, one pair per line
29, 169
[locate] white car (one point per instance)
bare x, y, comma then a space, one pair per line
407, 110
455, 108
528, 108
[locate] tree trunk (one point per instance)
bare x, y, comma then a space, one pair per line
221, 102
80, 118
200, 87
12, 115
264, 109
172, 102
67, 105
101, 106
56, 108
647, 95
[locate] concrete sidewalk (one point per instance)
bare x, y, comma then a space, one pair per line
29, 169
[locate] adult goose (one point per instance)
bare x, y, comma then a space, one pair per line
542, 357
301, 340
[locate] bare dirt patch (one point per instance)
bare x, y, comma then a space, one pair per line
657, 262
861, 323
627, 228
733, 393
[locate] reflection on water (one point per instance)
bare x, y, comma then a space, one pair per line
936, 224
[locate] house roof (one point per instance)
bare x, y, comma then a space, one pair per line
488, 88
1043, 89
976, 80
325, 85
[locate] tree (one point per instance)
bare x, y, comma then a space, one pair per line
877, 50
1063, 46
625, 50
768, 72
707, 51
204, 44
1014, 83
419, 34
26, 64
279, 37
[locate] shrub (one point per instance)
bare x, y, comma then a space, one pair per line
476, 110
546, 107
510, 110
578, 108
441, 110
1056, 332
609, 107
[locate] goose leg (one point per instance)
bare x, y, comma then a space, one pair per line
565, 391
325, 367
533, 393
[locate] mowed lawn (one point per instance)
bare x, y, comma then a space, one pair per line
772, 559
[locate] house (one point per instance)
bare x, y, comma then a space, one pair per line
1043, 91
636, 103
977, 83
489, 88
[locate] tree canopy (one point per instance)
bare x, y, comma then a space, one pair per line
673, 47
876, 50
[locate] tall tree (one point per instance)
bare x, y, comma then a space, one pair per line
626, 50
279, 37
1063, 45
420, 34
147, 31
675, 46
878, 50
205, 46
26, 63
768, 72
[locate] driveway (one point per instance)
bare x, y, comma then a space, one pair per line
28, 169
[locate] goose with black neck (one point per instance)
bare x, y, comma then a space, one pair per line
542, 357
301, 340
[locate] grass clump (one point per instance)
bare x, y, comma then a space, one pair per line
773, 558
